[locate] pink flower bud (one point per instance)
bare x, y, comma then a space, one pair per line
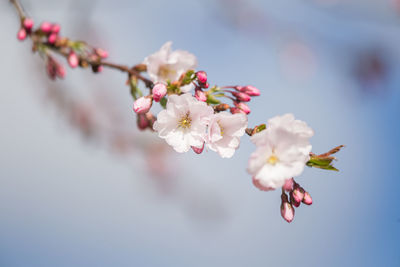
28, 24
242, 106
21, 35
198, 150
206, 85
298, 194
45, 27
241, 96
201, 76
250, 90
288, 186
307, 199
200, 95
236, 110
52, 38
60, 71
159, 91
142, 105
287, 210
73, 60
101, 53
142, 122
55, 28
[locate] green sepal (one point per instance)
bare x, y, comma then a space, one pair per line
163, 102
211, 100
188, 78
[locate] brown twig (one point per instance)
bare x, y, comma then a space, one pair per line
131, 71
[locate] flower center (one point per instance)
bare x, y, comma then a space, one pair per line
165, 72
272, 159
185, 121
221, 129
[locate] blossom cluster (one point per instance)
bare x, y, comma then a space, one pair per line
194, 114
198, 120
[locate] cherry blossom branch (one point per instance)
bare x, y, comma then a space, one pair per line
196, 121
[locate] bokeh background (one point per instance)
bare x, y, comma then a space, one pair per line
80, 186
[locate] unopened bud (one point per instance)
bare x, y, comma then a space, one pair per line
28, 24
52, 38
236, 110
159, 91
206, 85
200, 95
60, 71
73, 60
288, 186
142, 122
307, 198
221, 107
21, 35
298, 194
201, 76
287, 210
142, 105
45, 27
250, 90
102, 53
198, 150
55, 28
151, 119
241, 96
240, 105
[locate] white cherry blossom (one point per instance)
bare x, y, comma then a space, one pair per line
224, 132
184, 122
166, 64
282, 151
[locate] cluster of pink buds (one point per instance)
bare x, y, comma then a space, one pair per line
201, 78
241, 95
50, 31
297, 196
77, 53
26, 28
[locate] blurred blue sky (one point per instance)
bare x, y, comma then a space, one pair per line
333, 63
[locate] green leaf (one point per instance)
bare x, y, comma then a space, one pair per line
163, 102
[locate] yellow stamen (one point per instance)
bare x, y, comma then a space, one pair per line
221, 129
272, 159
185, 122
165, 72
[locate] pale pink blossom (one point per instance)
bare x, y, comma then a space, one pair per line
224, 132
282, 151
167, 65
183, 123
